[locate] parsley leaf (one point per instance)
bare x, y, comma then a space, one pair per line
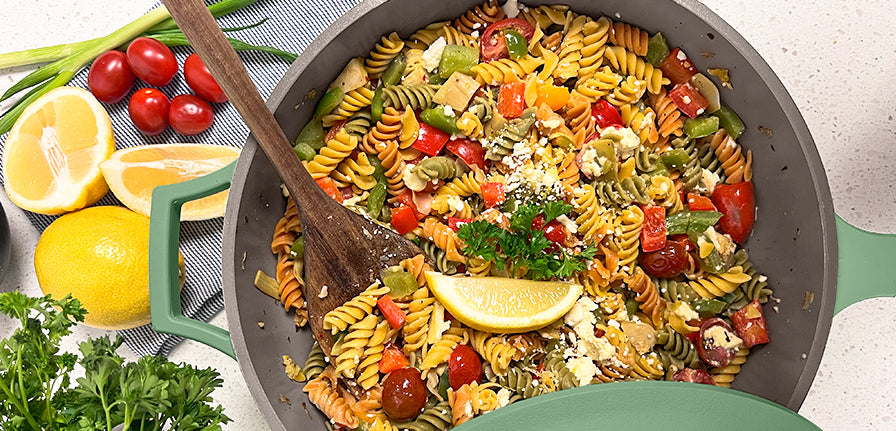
555, 209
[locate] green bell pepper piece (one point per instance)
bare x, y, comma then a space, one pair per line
456, 58
708, 307
297, 251
332, 98
729, 121
312, 135
379, 172
675, 159
701, 126
377, 105
516, 44
438, 118
687, 221
657, 50
304, 151
400, 282
376, 199
395, 70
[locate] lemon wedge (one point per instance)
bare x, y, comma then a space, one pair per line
52, 154
505, 305
133, 172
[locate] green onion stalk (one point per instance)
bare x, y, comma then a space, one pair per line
67, 59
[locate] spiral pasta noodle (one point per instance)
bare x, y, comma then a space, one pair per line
409, 96
354, 171
373, 352
323, 394
628, 237
724, 376
387, 49
354, 310
417, 266
352, 102
629, 37
439, 352
505, 70
738, 167
628, 63
650, 300
443, 237
493, 349
715, 285
668, 118
336, 150
480, 17
417, 324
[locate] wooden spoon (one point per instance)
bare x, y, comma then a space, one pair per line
344, 251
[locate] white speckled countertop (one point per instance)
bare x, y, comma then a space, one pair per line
836, 58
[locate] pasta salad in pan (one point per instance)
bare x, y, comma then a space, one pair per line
529, 152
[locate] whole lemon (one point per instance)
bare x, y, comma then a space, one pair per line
99, 255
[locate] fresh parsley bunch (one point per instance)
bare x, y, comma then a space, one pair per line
150, 394
522, 247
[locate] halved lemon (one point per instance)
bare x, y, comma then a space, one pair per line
51, 157
505, 305
132, 173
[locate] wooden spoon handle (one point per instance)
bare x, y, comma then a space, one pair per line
200, 28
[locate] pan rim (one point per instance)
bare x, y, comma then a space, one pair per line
764, 71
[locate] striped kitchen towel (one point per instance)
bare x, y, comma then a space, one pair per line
291, 26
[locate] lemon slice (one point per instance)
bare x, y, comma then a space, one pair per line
51, 157
132, 173
505, 305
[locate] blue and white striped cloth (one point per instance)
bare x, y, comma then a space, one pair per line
293, 24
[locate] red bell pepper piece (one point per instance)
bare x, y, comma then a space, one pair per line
393, 359
493, 46
329, 187
677, 67
455, 223
430, 140
471, 152
653, 230
749, 323
404, 219
737, 204
511, 103
689, 100
407, 199
605, 114
492, 194
391, 312
700, 203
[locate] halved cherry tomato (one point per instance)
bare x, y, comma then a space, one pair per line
430, 140
471, 152
749, 322
393, 359
605, 114
391, 312
493, 46
510, 99
713, 354
148, 109
110, 78
404, 394
334, 130
464, 367
653, 230
700, 203
689, 100
190, 115
737, 204
693, 376
152, 61
667, 262
403, 219
201, 81
684, 240
492, 194
677, 67
455, 223
329, 187
554, 231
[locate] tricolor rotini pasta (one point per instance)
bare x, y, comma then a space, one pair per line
453, 132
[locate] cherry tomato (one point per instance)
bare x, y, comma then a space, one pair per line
749, 322
693, 376
110, 78
737, 204
152, 61
713, 354
404, 394
201, 81
667, 262
190, 115
464, 366
148, 109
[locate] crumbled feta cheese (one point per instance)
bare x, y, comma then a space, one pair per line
569, 225
447, 110
685, 312
583, 368
686, 99
323, 292
475, 33
722, 337
433, 54
455, 203
722, 242
503, 397
580, 311
511, 8
598, 349
625, 140
708, 181
701, 111
681, 55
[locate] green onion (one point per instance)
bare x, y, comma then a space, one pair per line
67, 59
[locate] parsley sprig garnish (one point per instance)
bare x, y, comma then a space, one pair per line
521, 247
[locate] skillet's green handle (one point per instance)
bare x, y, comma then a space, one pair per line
164, 231
866, 265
